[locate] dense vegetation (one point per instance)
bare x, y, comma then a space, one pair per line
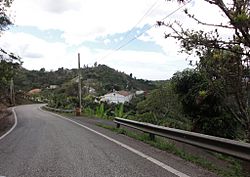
224, 61
8, 61
101, 77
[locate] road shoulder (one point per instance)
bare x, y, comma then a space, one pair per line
7, 121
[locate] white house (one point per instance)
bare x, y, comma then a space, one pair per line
139, 92
53, 86
92, 90
117, 97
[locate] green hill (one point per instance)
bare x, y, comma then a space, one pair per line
102, 78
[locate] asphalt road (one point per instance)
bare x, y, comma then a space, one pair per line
46, 145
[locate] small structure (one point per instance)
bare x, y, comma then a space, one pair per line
92, 90
34, 91
117, 97
139, 92
53, 86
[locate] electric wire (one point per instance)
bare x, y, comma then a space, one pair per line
140, 34
149, 11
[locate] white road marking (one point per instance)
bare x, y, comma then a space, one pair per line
157, 162
12, 128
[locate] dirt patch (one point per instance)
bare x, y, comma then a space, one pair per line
6, 119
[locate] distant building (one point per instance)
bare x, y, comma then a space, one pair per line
92, 90
34, 91
117, 97
53, 86
139, 92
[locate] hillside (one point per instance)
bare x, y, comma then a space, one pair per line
109, 79
101, 77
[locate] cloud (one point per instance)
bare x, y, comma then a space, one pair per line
60, 6
146, 65
35, 52
87, 20
106, 41
32, 55
52, 55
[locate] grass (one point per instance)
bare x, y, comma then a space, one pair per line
233, 169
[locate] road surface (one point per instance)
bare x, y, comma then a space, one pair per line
45, 145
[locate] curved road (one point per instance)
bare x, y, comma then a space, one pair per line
45, 145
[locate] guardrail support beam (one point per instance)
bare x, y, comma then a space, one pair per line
118, 125
151, 136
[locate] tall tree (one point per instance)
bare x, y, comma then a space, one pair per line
232, 71
5, 22
8, 61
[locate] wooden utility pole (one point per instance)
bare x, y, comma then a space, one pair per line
79, 83
12, 92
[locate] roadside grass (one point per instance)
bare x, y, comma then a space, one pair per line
233, 169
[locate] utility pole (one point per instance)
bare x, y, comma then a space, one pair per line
79, 83
12, 93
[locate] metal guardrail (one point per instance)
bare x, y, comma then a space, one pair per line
233, 148
58, 110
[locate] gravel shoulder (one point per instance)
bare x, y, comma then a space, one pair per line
6, 121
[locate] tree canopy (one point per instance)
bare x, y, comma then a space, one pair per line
9, 62
224, 62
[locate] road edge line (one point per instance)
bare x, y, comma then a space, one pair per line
13, 127
151, 159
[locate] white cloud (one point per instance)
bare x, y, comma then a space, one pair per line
106, 41
86, 20
91, 19
37, 53
59, 6
146, 65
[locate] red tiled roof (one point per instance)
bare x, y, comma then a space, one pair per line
124, 93
34, 91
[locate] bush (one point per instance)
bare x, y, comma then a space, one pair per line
222, 126
147, 117
88, 111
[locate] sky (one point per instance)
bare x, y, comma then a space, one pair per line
50, 33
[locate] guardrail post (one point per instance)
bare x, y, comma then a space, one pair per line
118, 125
151, 136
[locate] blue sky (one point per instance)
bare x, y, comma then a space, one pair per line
49, 34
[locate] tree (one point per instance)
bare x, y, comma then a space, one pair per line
204, 104
235, 51
8, 61
5, 22
161, 103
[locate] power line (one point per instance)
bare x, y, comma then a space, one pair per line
130, 31
140, 20
150, 27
